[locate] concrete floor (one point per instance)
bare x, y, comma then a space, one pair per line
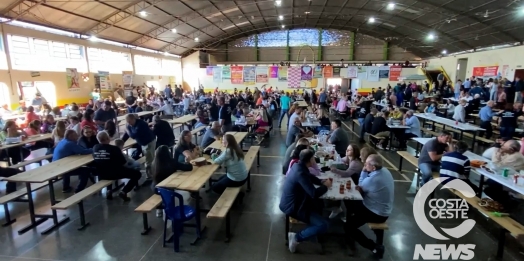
257, 227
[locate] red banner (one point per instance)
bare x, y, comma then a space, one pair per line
328, 72
394, 72
237, 74
485, 71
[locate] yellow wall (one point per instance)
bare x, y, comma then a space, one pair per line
513, 56
63, 95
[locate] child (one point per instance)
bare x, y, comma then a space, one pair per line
132, 164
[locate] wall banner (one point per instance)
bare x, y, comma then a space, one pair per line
505, 71
372, 73
217, 74
336, 72
209, 70
282, 73
394, 72
362, 73
104, 80
328, 72
383, 72
236, 74
317, 73
261, 72
249, 75
306, 73
226, 73
293, 76
72, 76
485, 71
352, 72
273, 71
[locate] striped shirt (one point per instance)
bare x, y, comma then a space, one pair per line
455, 165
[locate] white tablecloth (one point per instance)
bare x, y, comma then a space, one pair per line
506, 182
333, 193
448, 122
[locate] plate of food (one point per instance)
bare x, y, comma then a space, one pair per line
490, 205
477, 163
199, 161
486, 168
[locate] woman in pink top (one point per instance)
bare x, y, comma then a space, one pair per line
315, 170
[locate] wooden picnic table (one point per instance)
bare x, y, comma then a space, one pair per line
301, 103
48, 173
183, 119
29, 139
239, 137
140, 114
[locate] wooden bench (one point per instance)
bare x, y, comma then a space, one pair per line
15, 197
249, 159
78, 199
147, 206
469, 135
507, 223
196, 131
355, 121
39, 160
222, 207
375, 137
413, 161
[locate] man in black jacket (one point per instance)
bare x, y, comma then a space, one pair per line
163, 132
368, 122
298, 199
109, 161
380, 129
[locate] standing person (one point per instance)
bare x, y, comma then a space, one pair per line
378, 191
456, 89
440, 79
339, 138
163, 132
431, 154
168, 92
322, 99
224, 114
298, 199
233, 159
68, 147
144, 137
486, 116
103, 115
507, 120
110, 164
285, 104
519, 88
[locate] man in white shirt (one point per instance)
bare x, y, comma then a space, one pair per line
167, 109
460, 111
74, 124
295, 115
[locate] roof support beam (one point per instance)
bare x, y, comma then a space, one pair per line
20, 8
120, 15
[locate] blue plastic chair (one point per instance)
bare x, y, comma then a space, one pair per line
177, 214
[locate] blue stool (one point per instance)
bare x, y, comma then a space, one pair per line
177, 214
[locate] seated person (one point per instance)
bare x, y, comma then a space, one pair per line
74, 124
460, 111
185, 150
212, 134
163, 132
300, 139
455, 165
450, 108
431, 154
17, 154
68, 147
10, 187
295, 157
368, 123
488, 153
507, 156
298, 199
110, 128
110, 164
130, 163
431, 108
203, 118
352, 160
323, 118
295, 130
88, 139
49, 124
233, 159
339, 138
377, 188
380, 129
396, 114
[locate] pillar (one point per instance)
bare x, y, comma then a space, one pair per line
352, 46
288, 50
385, 52
319, 54
257, 50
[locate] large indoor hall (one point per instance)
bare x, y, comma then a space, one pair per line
268, 130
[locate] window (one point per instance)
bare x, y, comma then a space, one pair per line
336, 38
108, 61
28, 53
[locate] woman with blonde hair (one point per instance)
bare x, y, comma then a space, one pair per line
58, 132
233, 159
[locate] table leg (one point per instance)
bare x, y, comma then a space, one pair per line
258, 158
34, 222
473, 144
481, 186
56, 223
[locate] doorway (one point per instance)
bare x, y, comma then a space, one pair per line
462, 66
519, 73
